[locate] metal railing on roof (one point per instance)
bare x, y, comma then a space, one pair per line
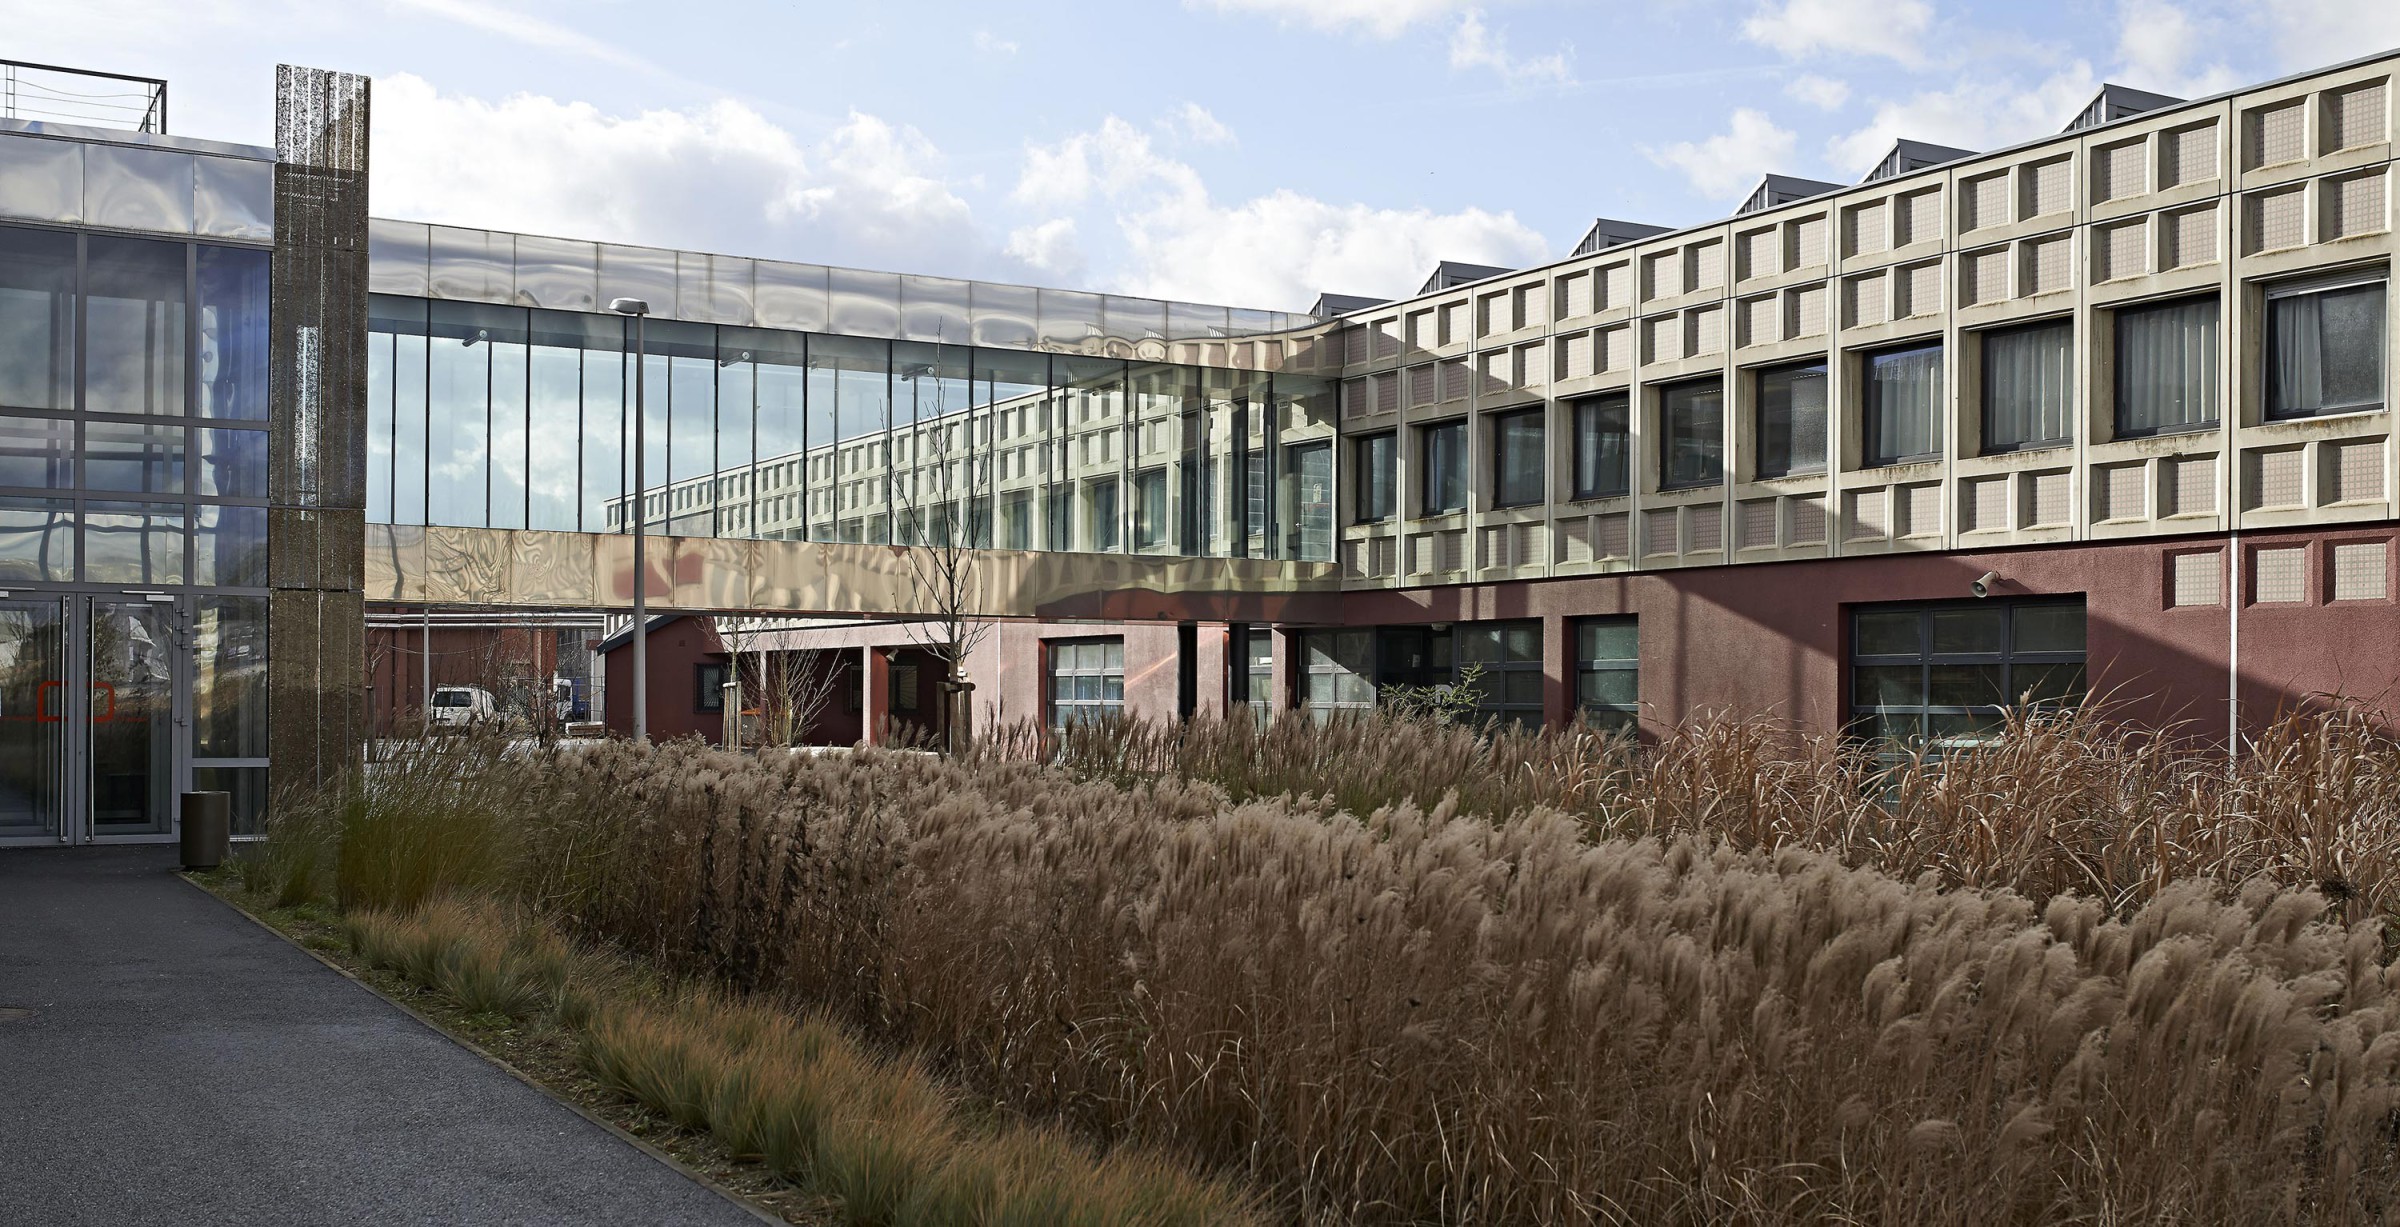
54, 94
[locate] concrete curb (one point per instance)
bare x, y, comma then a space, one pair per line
757, 1211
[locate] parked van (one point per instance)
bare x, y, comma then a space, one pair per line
457, 708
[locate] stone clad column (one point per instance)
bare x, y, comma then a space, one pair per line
317, 439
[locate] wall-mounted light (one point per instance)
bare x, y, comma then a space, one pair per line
1984, 583
478, 335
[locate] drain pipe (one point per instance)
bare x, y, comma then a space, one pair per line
2233, 650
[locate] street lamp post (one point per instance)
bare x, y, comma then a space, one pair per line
639, 309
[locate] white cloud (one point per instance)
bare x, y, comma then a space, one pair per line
1380, 18
527, 29
1049, 246
989, 43
1277, 250
1194, 123
1979, 115
1823, 93
2313, 33
720, 177
1729, 163
1894, 29
1474, 45
2157, 43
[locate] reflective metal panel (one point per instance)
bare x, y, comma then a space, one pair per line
1193, 322
474, 265
712, 288
137, 189
1003, 314
646, 273
234, 198
789, 296
467, 565
395, 557
1070, 320
563, 274
41, 180
397, 258
1134, 320
864, 304
554, 568
934, 309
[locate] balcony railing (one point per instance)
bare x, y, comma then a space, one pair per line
53, 94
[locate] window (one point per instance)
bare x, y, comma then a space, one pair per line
708, 687
1903, 404
1509, 654
1691, 418
1150, 509
1608, 673
1601, 444
1377, 494
1517, 459
1445, 468
1938, 676
1306, 505
2324, 348
1791, 420
1087, 680
1100, 515
1335, 666
2167, 367
2028, 386
1254, 676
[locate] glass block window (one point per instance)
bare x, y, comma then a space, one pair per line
1087, 680
1938, 676
1608, 673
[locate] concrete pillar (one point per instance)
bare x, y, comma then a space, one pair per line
317, 438
875, 703
1558, 671
1213, 666
1287, 670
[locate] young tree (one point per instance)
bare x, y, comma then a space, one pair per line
943, 500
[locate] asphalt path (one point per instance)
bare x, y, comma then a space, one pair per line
165, 1060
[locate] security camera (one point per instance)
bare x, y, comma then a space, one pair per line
1984, 583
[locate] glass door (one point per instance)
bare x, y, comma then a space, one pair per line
131, 717
33, 722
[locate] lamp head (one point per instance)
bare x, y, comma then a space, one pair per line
629, 306
1983, 584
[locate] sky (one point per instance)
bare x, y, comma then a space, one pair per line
1251, 152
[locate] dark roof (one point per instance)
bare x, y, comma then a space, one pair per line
1451, 273
623, 637
1608, 232
2115, 102
1330, 305
1908, 157
1776, 190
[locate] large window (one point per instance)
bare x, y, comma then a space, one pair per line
1939, 676
1087, 680
1509, 657
2325, 347
1608, 673
1306, 502
1254, 671
1444, 468
1601, 445
1335, 670
1691, 420
1377, 493
1100, 515
1791, 420
1150, 510
2029, 386
1903, 402
1517, 459
2167, 367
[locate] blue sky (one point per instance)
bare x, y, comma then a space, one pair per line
1245, 151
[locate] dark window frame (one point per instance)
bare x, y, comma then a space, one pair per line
1361, 454
1823, 369
1870, 416
1492, 701
1500, 422
708, 686
2117, 429
1983, 393
1589, 484
1425, 477
1861, 718
2316, 287
1614, 717
1666, 435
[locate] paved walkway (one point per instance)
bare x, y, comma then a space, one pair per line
183, 1065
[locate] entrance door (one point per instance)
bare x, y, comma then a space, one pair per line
130, 717
91, 691
34, 788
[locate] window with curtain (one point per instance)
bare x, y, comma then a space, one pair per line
1445, 468
2028, 386
1791, 420
1601, 444
2324, 348
1903, 403
1517, 458
1691, 419
2167, 367
1376, 496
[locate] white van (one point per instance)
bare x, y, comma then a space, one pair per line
460, 707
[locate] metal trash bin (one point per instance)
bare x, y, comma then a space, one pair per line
207, 828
